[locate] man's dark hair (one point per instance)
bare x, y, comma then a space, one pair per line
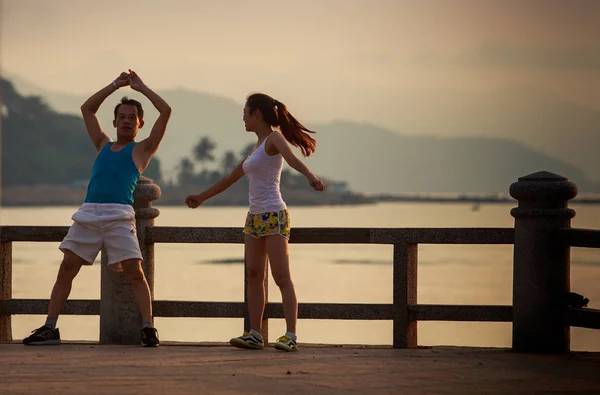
131, 102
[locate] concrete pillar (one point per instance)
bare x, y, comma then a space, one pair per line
541, 275
120, 320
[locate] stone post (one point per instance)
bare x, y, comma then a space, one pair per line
541, 275
120, 320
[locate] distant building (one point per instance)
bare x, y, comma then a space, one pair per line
338, 187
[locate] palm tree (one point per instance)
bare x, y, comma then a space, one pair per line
228, 162
203, 151
186, 172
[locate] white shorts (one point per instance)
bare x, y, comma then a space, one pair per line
108, 225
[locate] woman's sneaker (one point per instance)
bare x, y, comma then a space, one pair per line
286, 343
43, 336
248, 340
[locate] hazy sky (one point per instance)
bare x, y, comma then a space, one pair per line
326, 59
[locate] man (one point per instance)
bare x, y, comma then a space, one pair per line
106, 218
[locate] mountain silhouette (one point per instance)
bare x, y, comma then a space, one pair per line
373, 159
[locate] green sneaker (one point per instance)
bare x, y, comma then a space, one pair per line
286, 343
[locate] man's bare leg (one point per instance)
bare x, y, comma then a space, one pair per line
69, 268
132, 269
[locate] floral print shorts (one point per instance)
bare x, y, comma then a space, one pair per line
267, 224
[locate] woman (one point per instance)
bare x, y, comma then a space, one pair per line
267, 228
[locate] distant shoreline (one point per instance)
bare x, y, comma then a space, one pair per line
468, 199
30, 196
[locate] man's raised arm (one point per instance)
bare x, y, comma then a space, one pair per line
151, 143
91, 105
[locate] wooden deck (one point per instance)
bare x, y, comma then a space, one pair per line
75, 368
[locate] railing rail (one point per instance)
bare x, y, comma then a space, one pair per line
315, 311
584, 318
234, 235
586, 238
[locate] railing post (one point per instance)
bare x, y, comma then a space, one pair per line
5, 288
405, 293
265, 320
541, 275
120, 321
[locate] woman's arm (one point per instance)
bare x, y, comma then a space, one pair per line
280, 144
194, 201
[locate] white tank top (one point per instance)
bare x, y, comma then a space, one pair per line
264, 176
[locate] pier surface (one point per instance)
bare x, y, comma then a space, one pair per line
80, 368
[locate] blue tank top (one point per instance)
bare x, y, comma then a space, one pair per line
114, 176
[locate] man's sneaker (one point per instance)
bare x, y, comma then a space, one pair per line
43, 336
150, 337
286, 343
247, 340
